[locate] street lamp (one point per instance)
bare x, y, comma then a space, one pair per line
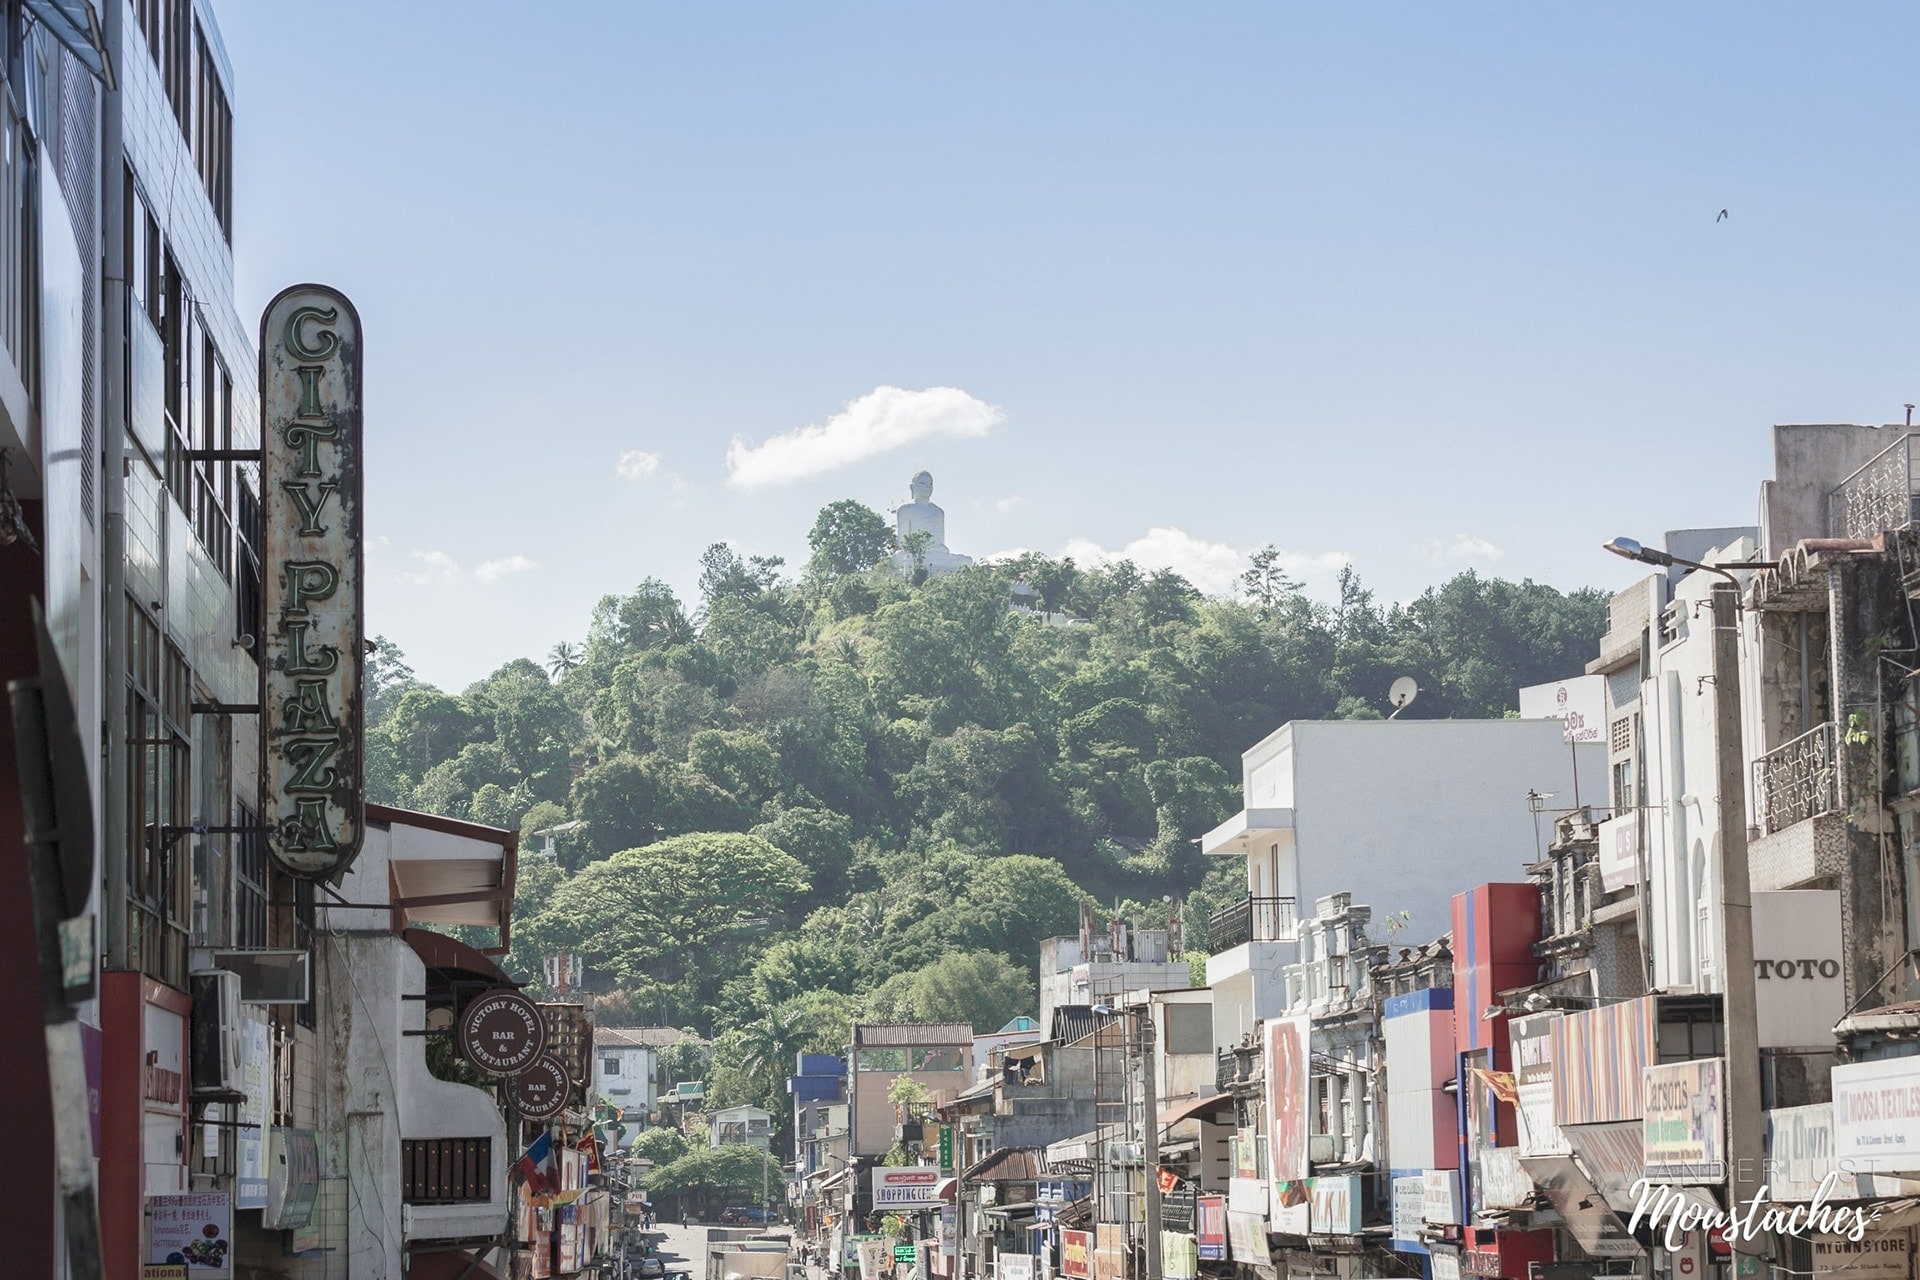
1744, 1119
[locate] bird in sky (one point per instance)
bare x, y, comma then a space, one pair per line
1722, 217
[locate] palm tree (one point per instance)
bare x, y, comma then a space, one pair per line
563, 658
768, 1045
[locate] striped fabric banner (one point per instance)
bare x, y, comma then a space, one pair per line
1599, 1056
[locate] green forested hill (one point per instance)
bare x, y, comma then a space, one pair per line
801, 792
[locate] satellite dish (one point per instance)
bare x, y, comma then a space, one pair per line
1402, 694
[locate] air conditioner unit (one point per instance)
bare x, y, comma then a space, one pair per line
216, 1036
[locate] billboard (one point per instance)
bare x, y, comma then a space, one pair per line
1212, 1233
1532, 1041
1409, 1199
1580, 704
1076, 1254
1683, 1134
312, 661
1336, 1206
895, 1189
1799, 982
1876, 1114
1289, 1046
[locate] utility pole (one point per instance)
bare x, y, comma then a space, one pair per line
1151, 1144
1744, 1118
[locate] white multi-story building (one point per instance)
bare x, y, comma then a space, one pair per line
626, 1067
1399, 813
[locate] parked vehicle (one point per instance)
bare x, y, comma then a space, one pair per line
650, 1267
745, 1216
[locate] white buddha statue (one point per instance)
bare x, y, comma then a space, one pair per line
921, 521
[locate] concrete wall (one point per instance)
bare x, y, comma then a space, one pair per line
382, 1092
1401, 813
632, 1085
873, 1119
1809, 461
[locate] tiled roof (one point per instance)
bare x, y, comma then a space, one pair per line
883, 1034
639, 1037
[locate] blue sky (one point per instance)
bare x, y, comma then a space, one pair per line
1418, 287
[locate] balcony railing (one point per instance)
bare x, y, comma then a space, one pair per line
1798, 780
446, 1170
1879, 497
1251, 920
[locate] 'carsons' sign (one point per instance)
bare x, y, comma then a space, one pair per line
311, 654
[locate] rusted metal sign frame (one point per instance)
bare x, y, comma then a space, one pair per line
313, 655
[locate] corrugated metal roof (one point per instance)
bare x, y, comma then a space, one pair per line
1073, 1022
884, 1034
639, 1037
1009, 1164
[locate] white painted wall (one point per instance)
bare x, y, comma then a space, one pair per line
1683, 794
385, 1093
1403, 814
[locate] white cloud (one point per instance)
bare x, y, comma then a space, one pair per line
427, 567
1463, 547
636, 464
885, 418
1007, 504
1214, 567
494, 570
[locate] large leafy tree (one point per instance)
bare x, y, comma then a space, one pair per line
847, 537
980, 988
678, 917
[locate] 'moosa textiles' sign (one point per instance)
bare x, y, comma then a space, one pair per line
311, 654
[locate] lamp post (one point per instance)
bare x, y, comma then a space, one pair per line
1745, 1120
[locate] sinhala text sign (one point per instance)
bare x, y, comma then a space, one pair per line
311, 657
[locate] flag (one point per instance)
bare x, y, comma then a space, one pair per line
1168, 1181
591, 1148
1500, 1083
533, 1165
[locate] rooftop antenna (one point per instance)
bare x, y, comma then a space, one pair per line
1402, 694
1909, 415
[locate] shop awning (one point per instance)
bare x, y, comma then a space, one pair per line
438, 951
444, 871
77, 27
450, 1264
1592, 1223
1009, 1164
1208, 1109
1075, 1150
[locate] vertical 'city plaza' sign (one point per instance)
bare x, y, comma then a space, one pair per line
311, 655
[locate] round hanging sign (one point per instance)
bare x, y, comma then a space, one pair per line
541, 1091
502, 1032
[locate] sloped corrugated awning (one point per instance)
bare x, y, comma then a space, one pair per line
1009, 1164
1209, 1109
77, 27
438, 951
